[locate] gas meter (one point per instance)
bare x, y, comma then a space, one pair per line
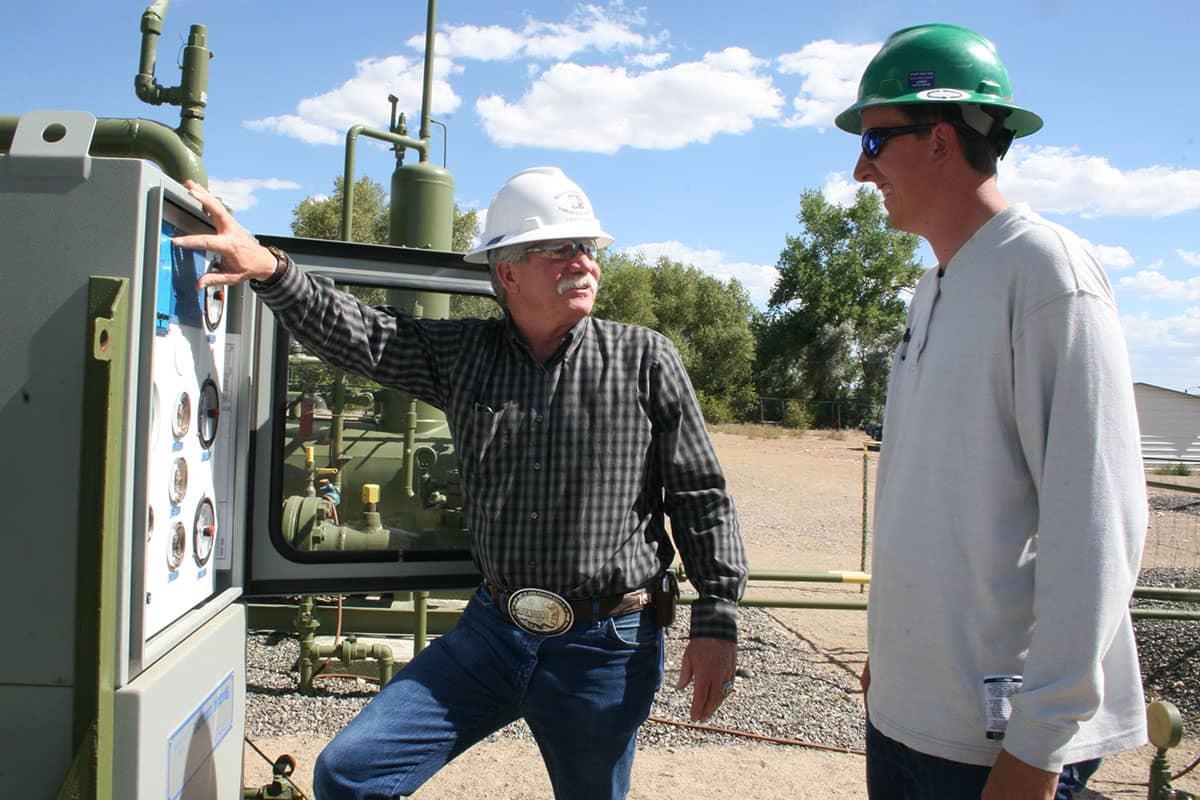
171, 451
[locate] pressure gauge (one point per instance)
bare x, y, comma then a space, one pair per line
214, 303
179, 477
208, 410
178, 546
183, 415
205, 532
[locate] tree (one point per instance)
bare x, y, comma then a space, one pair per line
837, 311
709, 322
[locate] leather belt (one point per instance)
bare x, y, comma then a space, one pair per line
612, 606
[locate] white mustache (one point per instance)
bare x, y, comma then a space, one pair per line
579, 280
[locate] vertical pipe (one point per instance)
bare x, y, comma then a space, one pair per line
427, 89
420, 621
862, 553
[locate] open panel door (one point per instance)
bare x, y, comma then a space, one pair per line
355, 486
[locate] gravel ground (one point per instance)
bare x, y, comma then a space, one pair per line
800, 507
781, 692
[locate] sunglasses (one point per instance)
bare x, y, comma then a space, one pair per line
873, 139
564, 251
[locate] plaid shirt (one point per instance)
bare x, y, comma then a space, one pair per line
568, 466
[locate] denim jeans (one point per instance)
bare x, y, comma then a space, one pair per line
584, 695
897, 772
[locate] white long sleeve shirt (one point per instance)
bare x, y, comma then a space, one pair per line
1010, 509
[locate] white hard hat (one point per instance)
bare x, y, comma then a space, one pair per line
537, 205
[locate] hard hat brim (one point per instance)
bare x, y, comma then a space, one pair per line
1020, 121
566, 230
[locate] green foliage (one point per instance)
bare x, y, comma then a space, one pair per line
836, 313
709, 322
796, 416
321, 217
1180, 469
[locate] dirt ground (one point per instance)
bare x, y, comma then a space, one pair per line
800, 504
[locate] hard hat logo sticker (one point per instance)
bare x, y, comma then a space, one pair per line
571, 203
943, 94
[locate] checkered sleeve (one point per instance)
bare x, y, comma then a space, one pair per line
703, 518
385, 345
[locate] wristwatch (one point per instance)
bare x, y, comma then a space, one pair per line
281, 265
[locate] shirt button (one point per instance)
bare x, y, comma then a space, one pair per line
537, 465
533, 515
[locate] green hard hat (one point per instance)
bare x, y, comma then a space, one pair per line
938, 64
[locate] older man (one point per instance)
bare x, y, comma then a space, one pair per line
576, 438
1010, 507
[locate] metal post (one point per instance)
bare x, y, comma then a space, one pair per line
421, 622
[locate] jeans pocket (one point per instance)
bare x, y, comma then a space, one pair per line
636, 631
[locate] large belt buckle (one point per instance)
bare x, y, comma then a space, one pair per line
540, 612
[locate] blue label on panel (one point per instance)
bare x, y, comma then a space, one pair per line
177, 299
172, 575
176, 447
175, 511
206, 456
202, 573
194, 741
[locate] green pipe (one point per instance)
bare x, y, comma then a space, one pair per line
1175, 595
132, 138
427, 89
789, 602
144, 84
822, 576
1174, 487
422, 147
421, 613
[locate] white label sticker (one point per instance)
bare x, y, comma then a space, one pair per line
943, 94
997, 707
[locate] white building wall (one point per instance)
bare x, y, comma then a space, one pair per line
1170, 424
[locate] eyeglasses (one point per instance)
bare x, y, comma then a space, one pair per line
564, 251
873, 139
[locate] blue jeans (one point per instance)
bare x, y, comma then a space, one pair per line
897, 772
584, 695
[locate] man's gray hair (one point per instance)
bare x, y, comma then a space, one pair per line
514, 253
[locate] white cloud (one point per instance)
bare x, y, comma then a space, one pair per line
841, 192
1165, 351
758, 279
1189, 257
239, 193
1112, 257
650, 60
1151, 283
600, 109
590, 27
1062, 180
831, 72
325, 118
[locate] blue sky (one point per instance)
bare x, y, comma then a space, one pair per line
693, 126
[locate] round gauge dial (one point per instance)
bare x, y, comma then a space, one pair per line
179, 478
214, 303
208, 411
183, 415
205, 533
178, 546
